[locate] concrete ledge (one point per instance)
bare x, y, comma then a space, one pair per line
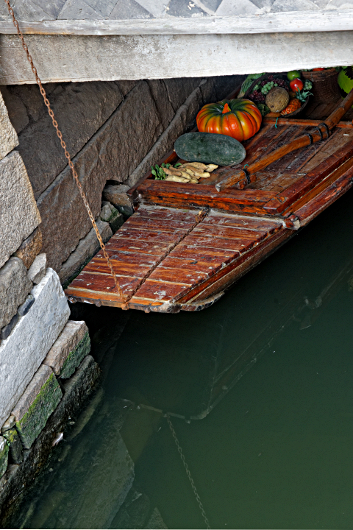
130, 57
69, 349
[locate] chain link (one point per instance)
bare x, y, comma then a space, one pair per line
187, 470
67, 155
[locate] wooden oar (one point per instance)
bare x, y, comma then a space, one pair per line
243, 177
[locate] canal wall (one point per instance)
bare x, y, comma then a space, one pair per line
45, 368
114, 131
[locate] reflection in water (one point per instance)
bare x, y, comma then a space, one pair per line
272, 451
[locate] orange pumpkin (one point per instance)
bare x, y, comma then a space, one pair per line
238, 118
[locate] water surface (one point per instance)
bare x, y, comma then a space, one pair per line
259, 391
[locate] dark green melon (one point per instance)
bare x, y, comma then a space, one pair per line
210, 148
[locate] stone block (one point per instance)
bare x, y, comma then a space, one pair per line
38, 268
112, 216
14, 287
86, 248
25, 349
16, 448
30, 248
37, 403
80, 109
9, 424
19, 214
16, 109
68, 351
111, 154
8, 135
116, 195
4, 455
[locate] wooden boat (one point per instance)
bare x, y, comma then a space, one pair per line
186, 243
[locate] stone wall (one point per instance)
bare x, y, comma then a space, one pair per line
39, 346
114, 131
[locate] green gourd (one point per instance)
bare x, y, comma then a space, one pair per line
209, 148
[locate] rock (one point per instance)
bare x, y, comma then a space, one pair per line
14, 287
37, 403
16, 109
70, 348
116, 194
16, 448
19, 214
112, 216
9, 424
165, 107
7, 330
26, 306
111, 154
8, 136
30, 248
4, 455
86, 248
22, 353
37, 270
80, 109
126, 86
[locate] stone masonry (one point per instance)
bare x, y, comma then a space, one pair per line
33, 314
114, 131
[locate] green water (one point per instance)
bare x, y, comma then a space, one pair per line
259, 391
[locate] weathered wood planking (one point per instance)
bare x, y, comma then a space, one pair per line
186, 254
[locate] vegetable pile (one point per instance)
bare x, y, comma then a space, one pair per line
190, 172
263, 93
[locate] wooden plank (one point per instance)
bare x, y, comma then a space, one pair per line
123, 244
102, 284
311, 180
175, 275
319, 203
191, 264
138, 270
206, 255
148, 236
126, 257
227, 232
243, 222
160, 291
204, 242
227, 275
179, 195
161, 225
167, 214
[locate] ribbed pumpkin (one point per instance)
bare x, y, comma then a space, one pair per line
238, 118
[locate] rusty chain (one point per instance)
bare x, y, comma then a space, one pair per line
187, 470
67, 155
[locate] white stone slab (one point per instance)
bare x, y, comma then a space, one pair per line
27, 346
131, 57
8, 136
19, 214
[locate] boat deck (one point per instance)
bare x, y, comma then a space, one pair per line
187, 243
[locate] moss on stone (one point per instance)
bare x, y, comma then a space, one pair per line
33, 422
75, 357
16, 449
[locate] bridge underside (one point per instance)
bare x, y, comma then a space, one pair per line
169, 39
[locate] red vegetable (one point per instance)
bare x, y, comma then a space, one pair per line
296, 85
238, 118
318, 69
